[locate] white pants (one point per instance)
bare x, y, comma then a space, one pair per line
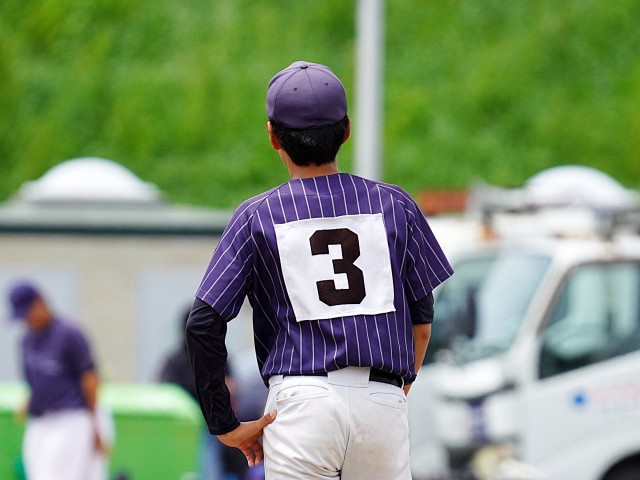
341, 426
61, 446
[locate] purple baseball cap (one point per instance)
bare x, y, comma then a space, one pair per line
306, 95
22, 295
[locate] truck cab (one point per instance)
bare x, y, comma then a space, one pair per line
535, 356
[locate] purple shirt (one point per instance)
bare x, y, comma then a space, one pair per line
54, 360
329, 265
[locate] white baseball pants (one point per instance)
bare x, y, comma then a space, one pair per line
61, 446
341, 426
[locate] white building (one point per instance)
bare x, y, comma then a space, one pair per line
108, 253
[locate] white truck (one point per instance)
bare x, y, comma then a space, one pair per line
535, 352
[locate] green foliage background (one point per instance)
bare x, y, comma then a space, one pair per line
175, 90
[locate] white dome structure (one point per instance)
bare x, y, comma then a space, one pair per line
574, 185
90, 180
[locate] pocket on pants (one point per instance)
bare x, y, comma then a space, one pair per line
300, 393
389, 399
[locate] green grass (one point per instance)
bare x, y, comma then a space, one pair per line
175, 90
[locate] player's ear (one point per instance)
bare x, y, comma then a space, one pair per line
275, 143
348, 133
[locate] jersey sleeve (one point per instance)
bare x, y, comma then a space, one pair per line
227, 277
427, 265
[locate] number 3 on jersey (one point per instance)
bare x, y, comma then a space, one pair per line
336, 267
348, 241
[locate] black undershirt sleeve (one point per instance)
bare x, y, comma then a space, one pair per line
205, 333
422, 310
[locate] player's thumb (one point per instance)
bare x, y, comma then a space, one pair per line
268, 418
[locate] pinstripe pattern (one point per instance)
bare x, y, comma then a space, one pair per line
246, 262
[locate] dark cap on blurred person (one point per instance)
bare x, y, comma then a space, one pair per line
306, 95
21, 296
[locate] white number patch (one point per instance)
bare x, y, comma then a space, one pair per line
336, 267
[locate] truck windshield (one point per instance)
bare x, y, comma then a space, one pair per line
455, 308
486, 315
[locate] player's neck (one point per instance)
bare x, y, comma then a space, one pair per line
309, 171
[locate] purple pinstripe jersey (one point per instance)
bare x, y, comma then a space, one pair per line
329, 265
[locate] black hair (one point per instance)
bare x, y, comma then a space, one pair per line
308, 146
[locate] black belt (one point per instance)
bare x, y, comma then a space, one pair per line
375, 375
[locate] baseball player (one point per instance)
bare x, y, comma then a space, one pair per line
67, 436
339, 271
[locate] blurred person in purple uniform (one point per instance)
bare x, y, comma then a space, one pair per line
66, 436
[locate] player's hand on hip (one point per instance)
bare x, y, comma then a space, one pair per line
246, 437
